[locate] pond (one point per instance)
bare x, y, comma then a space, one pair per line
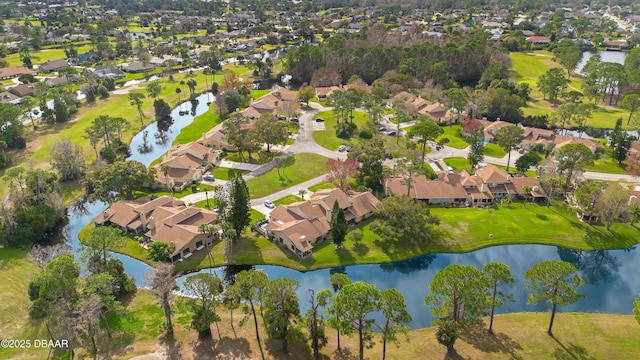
161, 137
607, 56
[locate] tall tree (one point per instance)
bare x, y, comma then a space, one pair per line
154, 89
206, 288
636, 308
137, 99
161, 282
630, 102
248, 287
403, 220
67, 159
118, 179
572, 158
457, 99
498, 274
527, 160
458, 293
357, 301
620, 142
269, 130
476, 149
338, 281
568, 54
552, 83
393, 307
340, 171
509, 138
614, 203
98, 244
425, 130
370, 155
338, 224
315, 321
281, 310
553, 281
238, 215
587, 197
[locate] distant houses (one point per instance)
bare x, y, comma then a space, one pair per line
538, 40
14, 72
164, 219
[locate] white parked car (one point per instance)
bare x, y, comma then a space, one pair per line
269, 204
209, 177
342, 148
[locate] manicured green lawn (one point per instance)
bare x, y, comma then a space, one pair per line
178, 194
255, 94
470, 229
223, 173
298, 168
458, 163
494, 150
200, 125
289, 199
455, 139
327, 138
320, 186
607, 165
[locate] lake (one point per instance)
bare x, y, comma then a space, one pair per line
607, 56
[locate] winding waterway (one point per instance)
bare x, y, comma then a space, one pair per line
611, 276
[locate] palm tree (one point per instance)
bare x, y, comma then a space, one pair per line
165, 170
302, 192
527, 193
179, 91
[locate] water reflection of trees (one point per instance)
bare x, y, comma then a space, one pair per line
595, 266
229, 272
194, 106
411, 265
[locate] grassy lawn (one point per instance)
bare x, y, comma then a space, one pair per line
223, 173
327, 138
260, 158
527, 68
256, 94
494, 150
289, 199
455, 139
469, 229
512, 169
298, 168
607, 165
458, 163
320, 186
200, 125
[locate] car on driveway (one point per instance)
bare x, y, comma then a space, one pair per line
319, 120
392, 133
349, 148
382, 128
294, 119
342, 148
209, 177
269, 204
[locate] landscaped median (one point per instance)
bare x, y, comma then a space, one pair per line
463, 230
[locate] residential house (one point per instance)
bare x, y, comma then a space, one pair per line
187, 164
491, 130
418, 106
616, 45
138, 67
165, 60
53, 65
107, 72
60, 80
14, 72
489, 184
533, 136
23, 90
9, 98
538, 40
561, 141
300, 225
272, 103
164, 219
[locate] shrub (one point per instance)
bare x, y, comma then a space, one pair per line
365, 134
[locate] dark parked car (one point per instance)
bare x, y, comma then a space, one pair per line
294, 119
382, 128
392, 133
319, 120
349, 148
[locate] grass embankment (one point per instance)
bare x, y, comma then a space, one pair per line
458, 163
201, 124
297, 169
462, 230
223, 173
527, 68
327, 138
494, 150
607, 165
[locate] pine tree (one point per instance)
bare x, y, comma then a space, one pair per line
338, 225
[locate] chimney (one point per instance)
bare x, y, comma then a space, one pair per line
106, 214
350, 199
152, 222
143, 220
633, 200
484, 187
